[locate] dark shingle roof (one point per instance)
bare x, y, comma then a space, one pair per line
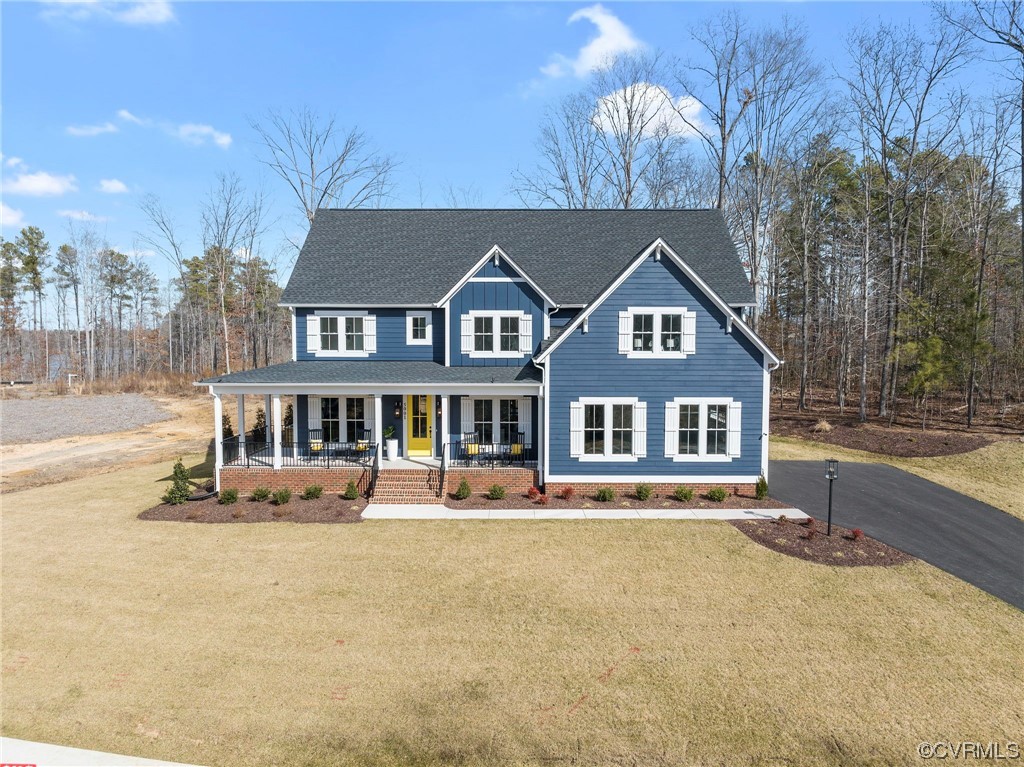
416, 256
371, 372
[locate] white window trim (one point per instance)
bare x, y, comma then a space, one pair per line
409, 340
608, 456
496, 333
658, 312
702, 434
342, 352
525, 413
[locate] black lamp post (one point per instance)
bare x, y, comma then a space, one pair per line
831, 475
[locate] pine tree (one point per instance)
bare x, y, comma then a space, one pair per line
180, 488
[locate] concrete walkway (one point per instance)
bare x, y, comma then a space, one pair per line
436, 511
14, 751
963, 536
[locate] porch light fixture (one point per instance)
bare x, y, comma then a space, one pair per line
438, 407
832, 474
398, 409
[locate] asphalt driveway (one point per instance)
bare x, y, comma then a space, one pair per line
965, 537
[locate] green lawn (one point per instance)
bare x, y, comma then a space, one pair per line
436, 643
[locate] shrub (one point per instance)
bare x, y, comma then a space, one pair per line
604, 494
228, 496
567, 493
761, 489
496, 493
717, 494
282, 496
226, 427
260, 494
543, 500
312, 492
351, 491
644, 491
464, 491
857, 534
260, 421
683, 493
180, 489
822, 427
533, 494
783, 519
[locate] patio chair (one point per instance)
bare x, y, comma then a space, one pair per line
470, 452
316, 443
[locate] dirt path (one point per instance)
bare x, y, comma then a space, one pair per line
189, 430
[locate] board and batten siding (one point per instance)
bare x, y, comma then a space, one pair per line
495, 296
391, 336
589, 364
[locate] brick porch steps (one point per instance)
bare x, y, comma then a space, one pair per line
407, 486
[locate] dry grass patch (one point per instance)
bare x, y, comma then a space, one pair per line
991, 474
437, 643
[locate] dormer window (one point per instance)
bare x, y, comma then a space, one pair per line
657, 332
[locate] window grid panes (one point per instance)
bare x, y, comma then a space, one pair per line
717, 428
419, 328
355, 422
622, 429
483, 334
330, 422
643, 332
354, 334
509, 420
671, 332
483, 420
509, 334
689, 429
593, 429
329, 334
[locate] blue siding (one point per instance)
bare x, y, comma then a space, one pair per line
497, 296
391, 343
562, 317
590, 365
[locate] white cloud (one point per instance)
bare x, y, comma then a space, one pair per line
128, 117
112, 186
613, 39
91, 130
135, 13
41, 184
80, 215
15, 162
9, 217
680, 116
199, 135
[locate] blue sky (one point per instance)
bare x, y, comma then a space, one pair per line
105, 102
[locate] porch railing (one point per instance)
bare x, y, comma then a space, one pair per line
308, 454
488, 454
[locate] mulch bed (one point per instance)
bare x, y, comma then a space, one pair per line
327, 509
791, 537
875, 438
656, 501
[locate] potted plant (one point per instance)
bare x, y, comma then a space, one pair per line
390, 443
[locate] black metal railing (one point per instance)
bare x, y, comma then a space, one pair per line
308, 454
488, 454
441, 470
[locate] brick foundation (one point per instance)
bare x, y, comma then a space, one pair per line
660, 488
332, 480
514, 480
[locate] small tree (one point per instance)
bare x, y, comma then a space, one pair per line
464, 490
260, 422
351, 491
225, 423
180, 489
761, 489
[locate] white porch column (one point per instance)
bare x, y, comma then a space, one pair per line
445, 423
218, 438
268, 418
378, 426
241, 425
276, 399
540, 438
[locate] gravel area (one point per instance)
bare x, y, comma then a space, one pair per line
45, 418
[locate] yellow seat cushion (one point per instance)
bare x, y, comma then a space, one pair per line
362, 445
473, 448
316, 446
517, 448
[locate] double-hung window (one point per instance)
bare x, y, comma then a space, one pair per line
498, 420
334, 333
354, 340
657, 332
418, 329
330, 420
702, 429
483, 420
329, 334
508, 420
355, 418
497, 334
608, 429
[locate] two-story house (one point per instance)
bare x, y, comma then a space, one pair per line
517, 347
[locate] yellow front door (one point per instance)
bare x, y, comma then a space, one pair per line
419, 407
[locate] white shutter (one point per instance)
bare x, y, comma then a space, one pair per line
640, 430
368, 414
314, 413
689, 332
625, 334
671, 429
467, 334
526, 419
526, 334
575, 429
467, 415
735, 430
312, 333
370, 334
